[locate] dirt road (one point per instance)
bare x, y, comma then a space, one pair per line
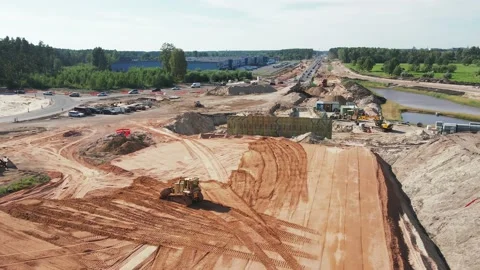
340, 70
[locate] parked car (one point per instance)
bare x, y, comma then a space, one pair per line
132, 107
157, 90
75, 94
176, 88
95, 110
133, 92
109, 111
48, 93
102, 94
20, 91
118, 110
140, 107
86, 111
75, 114
195, 85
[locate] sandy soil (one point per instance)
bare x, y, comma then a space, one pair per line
17, 104
270, 204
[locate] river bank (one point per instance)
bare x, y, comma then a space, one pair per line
393, 111
459, 99
403, 100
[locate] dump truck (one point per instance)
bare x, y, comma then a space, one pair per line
186, 192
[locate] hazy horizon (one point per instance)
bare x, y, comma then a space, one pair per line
214, 25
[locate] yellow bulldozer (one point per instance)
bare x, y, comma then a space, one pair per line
186, 192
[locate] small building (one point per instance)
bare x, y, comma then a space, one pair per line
328, 106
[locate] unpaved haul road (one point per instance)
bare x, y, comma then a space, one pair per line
340, 70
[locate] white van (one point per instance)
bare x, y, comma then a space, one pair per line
195, 85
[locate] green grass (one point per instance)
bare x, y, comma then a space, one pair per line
462, 74
330, 67
23, 183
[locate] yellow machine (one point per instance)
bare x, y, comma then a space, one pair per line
186, 191
384, 125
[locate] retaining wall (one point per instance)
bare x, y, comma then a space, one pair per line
278, 126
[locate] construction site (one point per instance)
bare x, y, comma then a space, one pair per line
241, 177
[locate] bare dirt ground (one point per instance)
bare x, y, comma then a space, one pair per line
270, 203
341, 71
17, 104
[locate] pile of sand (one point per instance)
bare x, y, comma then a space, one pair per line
291, 100
316, 91
106, 149
441, 179
17, 104
236, 90
362, 96
191, 123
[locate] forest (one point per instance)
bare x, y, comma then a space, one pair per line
23, 64
427, 62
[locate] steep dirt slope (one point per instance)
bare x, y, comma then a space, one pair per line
441, 178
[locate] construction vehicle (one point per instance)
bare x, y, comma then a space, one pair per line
197, 104
324, 83
384, 125
186, 191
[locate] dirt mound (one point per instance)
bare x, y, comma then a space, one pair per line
106, 149
72, 133
316, 91
340, 99
441, 178
362, 96
109, 168
236, 90
291, 100
191, 123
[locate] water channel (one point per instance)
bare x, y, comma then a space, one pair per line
419, 101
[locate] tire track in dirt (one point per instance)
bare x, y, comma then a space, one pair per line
198, 150
132, 214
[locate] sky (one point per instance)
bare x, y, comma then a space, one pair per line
144, 25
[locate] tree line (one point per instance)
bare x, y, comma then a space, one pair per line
428, 62
465, 56
89, 77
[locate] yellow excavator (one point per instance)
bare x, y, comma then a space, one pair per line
186, 192
384, 125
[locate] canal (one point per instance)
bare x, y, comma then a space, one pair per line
425, 102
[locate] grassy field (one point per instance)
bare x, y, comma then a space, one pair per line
462, 74
457, 99
24, 183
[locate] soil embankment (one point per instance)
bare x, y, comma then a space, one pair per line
441, 179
